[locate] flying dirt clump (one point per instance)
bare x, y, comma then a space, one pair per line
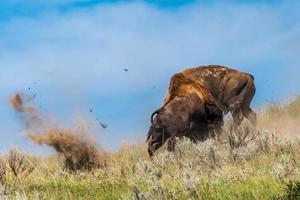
79, 151
29, 114
75, 144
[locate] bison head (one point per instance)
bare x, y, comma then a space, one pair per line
165, 126
157, 133
175, 119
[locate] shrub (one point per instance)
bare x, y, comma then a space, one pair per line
292, 192
3, 169
19, 164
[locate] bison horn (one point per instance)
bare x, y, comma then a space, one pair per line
154, 113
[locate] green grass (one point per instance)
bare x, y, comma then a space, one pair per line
250, 188
265, 168
79, 190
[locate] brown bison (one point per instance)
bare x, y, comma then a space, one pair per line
195, 104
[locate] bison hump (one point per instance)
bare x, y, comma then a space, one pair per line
182, 86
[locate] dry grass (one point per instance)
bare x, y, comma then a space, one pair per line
19, 164
282, 119
3, 170
244, 163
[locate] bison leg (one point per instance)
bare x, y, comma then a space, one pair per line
218, 128
246, 109
199, 131
242, 90
237, 116
171, 142
250, 115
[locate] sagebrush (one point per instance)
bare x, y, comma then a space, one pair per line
243, 163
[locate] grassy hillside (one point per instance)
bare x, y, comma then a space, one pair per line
241, 164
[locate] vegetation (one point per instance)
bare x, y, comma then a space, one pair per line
243, 163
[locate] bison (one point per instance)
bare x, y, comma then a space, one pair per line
196, 102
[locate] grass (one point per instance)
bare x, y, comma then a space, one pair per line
72, 189
263, 166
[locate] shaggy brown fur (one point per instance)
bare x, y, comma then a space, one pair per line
189, 110
181, 86
232, 90
195, 103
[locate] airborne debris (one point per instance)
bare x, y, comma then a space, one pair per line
75, 144
103, 125
126, 70
17, 103
20, 102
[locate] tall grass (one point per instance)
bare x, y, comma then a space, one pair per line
244, 163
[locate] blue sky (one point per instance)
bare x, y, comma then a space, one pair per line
72, 55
